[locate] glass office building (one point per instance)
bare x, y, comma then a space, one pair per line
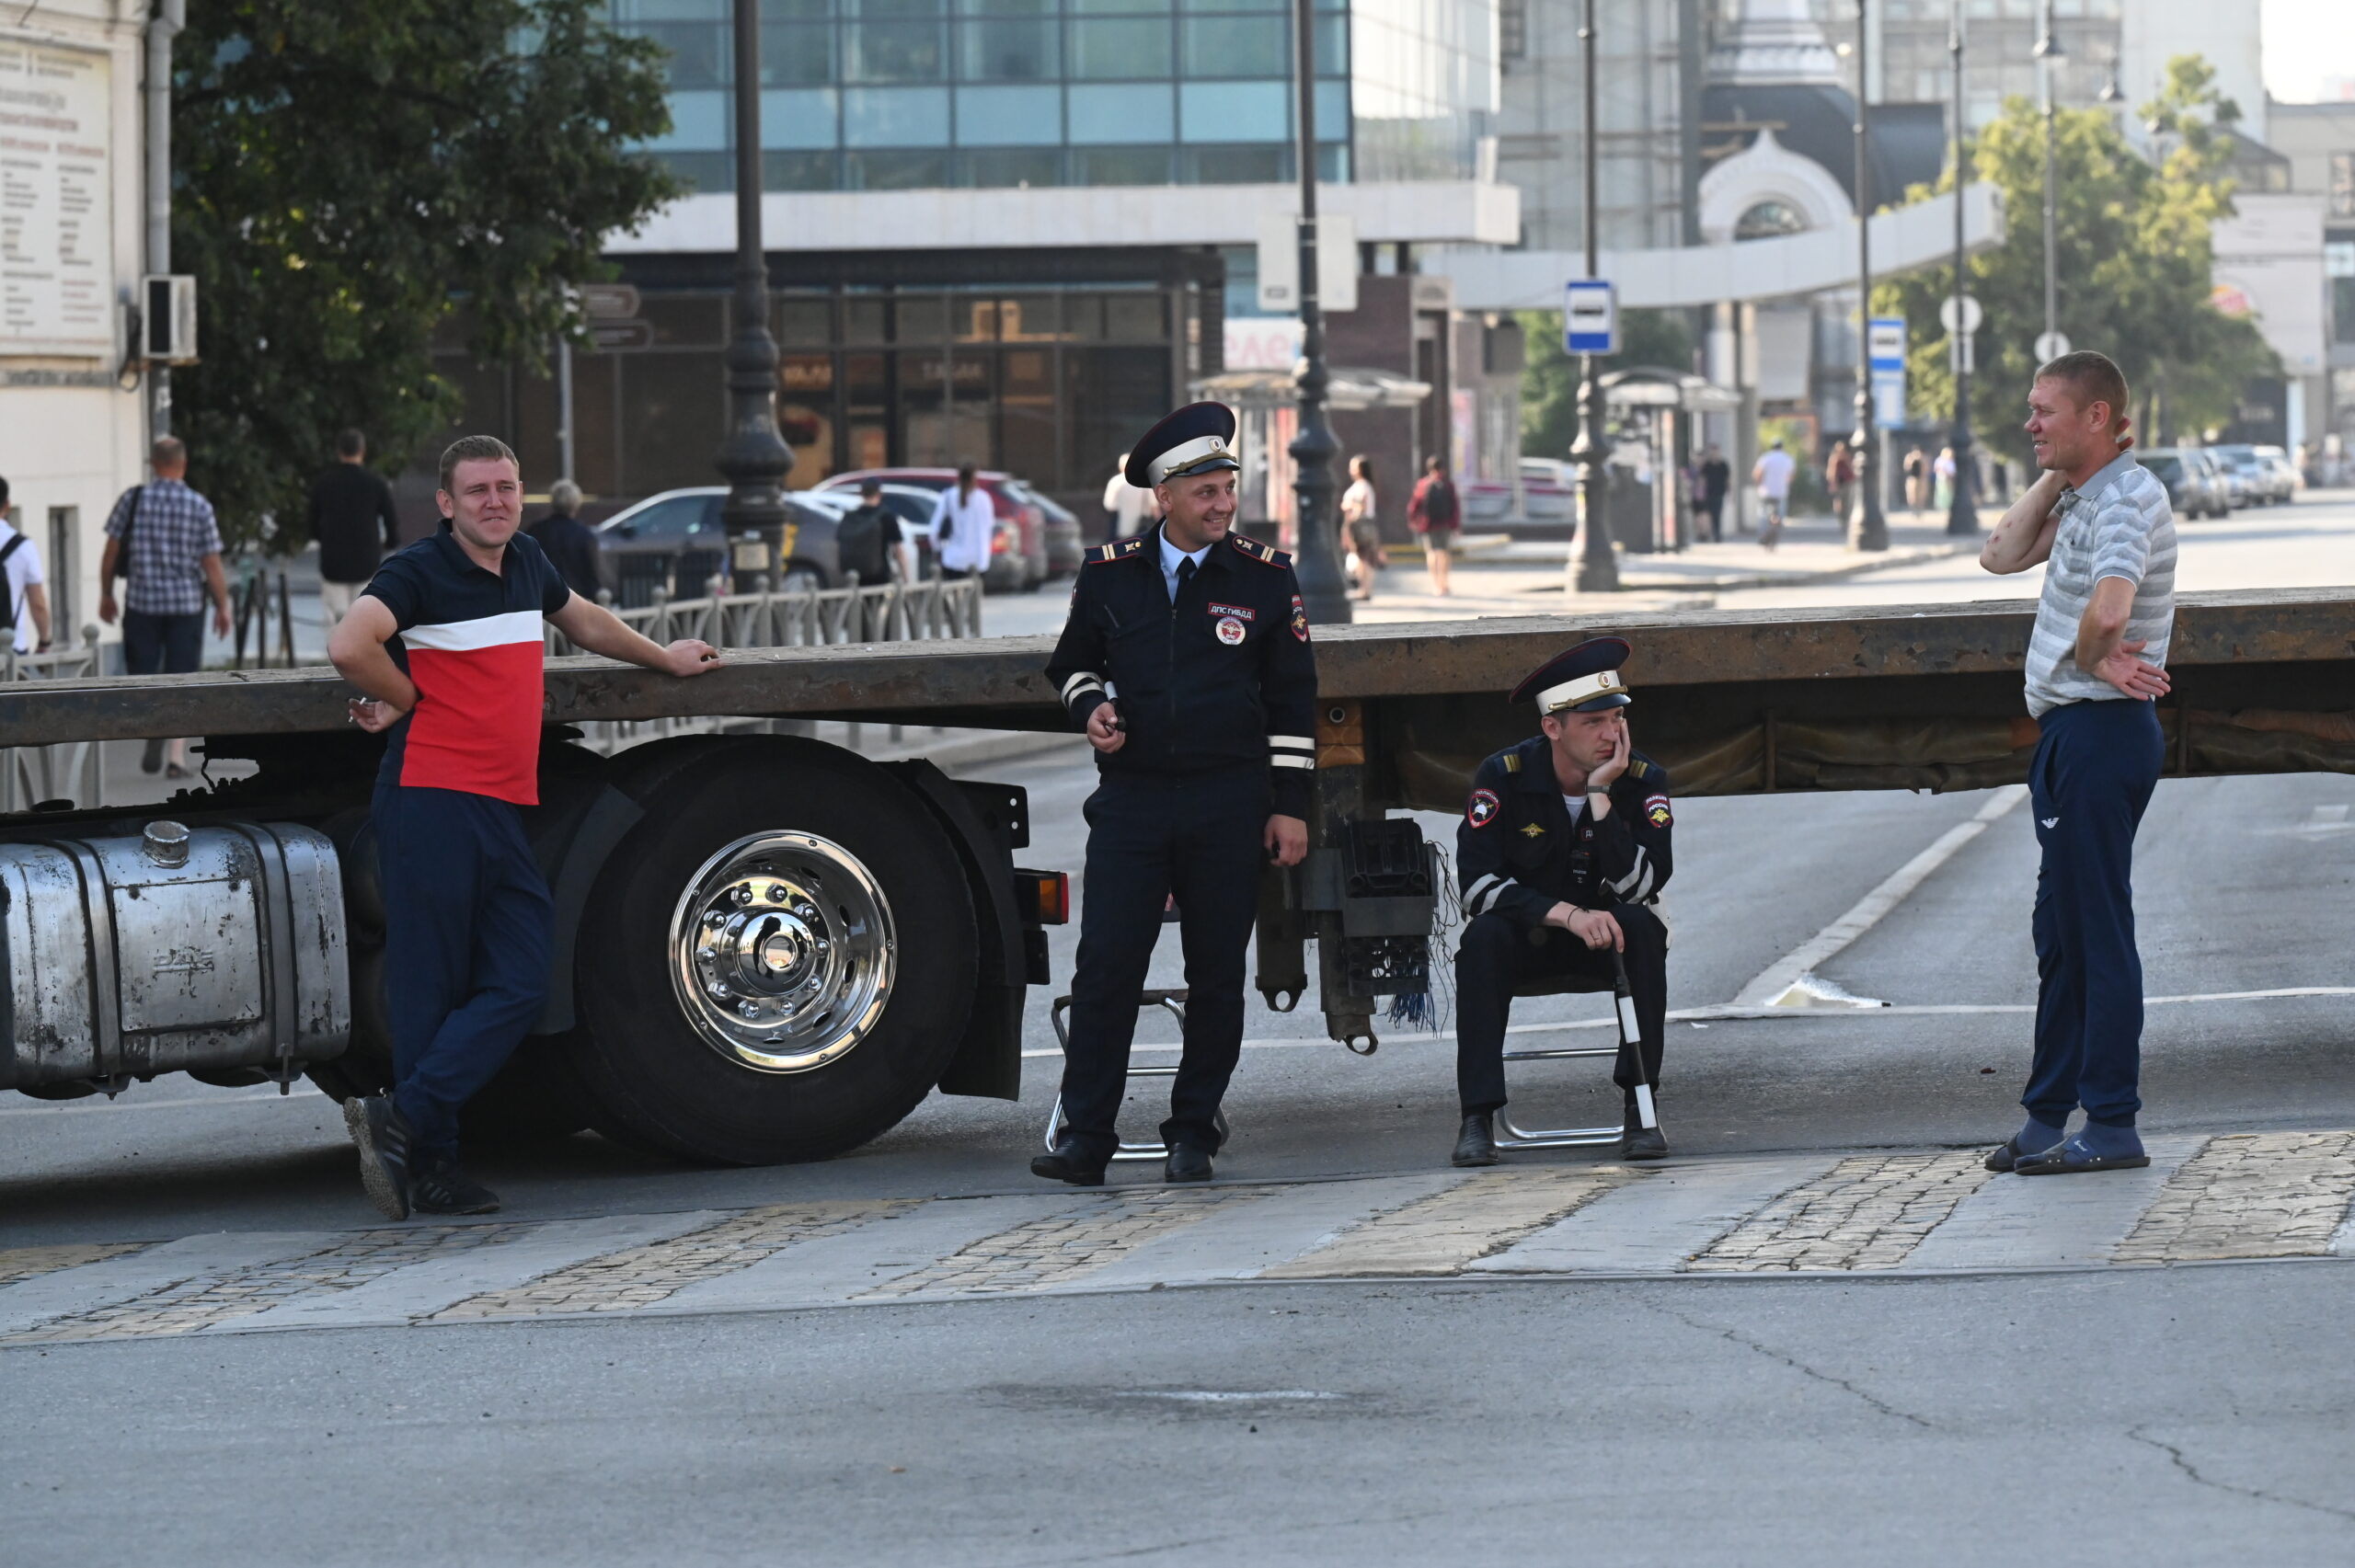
897, 95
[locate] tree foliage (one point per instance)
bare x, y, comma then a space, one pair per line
1549, 379
346, 175
2134, 249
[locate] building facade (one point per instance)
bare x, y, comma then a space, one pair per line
2318, 141
73, 419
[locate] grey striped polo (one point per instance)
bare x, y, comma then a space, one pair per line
2118, 525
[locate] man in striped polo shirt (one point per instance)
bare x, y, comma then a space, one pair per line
2100, 524
446, 643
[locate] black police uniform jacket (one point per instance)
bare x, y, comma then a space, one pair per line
1223, 678
1517, 854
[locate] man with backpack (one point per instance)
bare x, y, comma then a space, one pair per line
1433, 512
26, 611
164, 538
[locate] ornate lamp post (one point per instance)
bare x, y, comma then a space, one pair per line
1962, 514
754, 458
1867, 522
1318, 560
1598, 567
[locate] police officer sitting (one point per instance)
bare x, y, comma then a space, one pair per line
1186, 660
1562, 854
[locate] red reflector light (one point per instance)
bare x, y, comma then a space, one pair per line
1045, 895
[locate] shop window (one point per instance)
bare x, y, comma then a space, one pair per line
895, 171
683, 322
923, 318
678, 415
866, 320
804, 321
1136, 318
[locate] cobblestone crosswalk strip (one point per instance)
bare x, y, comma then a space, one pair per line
1826, 1215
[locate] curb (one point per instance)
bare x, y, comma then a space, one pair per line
1787, 580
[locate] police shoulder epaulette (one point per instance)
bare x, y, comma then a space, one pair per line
1119, 549
1512, 762
1266, 554
1640, 767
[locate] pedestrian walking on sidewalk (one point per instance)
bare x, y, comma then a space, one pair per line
1772, 473
1917, 481
1717, 479
569, 543
1361, 528
446, 644
164, 540
1128, 509
2100, 524
1433, 512
1840, 479
26, 609
352, 516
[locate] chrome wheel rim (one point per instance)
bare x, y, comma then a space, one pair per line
782, 951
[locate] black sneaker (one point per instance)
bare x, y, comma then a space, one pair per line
381, 1134
440, 1188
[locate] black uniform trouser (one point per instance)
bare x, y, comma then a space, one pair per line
1499, 954
1200, 838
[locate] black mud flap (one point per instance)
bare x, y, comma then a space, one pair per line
989, 822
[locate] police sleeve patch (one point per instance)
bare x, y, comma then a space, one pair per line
1483, 808
1656, 811
1299, 619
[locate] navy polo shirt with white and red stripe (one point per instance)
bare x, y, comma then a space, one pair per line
470, 640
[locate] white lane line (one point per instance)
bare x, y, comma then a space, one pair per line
1778, 978
835, 1269
2051, 1221
1237, 1242
69, 1292
408, 1294
1738, 1011
1658, 1222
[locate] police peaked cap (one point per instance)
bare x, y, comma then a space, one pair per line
1195, 440
1583, 681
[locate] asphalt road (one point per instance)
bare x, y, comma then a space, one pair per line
2185, 1415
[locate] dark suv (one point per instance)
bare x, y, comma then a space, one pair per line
674, 541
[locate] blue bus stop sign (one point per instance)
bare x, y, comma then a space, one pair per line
1590, 317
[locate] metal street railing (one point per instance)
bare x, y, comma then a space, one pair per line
30, 774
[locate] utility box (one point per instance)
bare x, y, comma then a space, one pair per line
168, 320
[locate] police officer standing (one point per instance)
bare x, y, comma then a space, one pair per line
1187, 662
1562, 854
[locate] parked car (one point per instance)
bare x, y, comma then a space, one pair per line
1065, 544
674, 541
1549, 499
2188, 486
911, 504
2236, 467
1018, 551
2276, 481
2212, 472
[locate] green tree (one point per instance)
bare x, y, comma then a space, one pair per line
348, 176
2136, 265
1549, 379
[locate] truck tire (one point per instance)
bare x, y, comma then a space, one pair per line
777, 963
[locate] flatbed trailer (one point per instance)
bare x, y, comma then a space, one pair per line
771, 949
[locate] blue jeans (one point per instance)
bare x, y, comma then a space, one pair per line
163, 644
468, 924
2095, 767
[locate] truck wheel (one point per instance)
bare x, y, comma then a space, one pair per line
777, 963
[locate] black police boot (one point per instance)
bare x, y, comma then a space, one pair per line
1185, 1163
1637, 1141
1068, 1164
1476, 1144
381, 1134
440, 1188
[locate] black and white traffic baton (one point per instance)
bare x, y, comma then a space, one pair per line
1631, 1034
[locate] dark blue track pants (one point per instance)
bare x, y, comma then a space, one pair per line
2095, 765
1200, 838
467, 929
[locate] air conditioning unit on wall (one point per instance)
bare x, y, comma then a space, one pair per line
168, 320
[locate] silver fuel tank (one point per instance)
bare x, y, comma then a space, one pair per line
221, 948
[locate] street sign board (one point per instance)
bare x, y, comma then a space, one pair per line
2050, 346
1590, 317
1971, 314
1889, 398
609, 302
1336, 263
1885, 343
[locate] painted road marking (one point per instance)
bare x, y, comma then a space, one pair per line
408, 1294
75, 1292
2014, 1223
1659, 1222
1283, 1223
835, 1268
1441, 1233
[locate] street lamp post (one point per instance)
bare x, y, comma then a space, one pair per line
2048, 54
1598, 567
1867, 522
1316, 559
754, 458
1962, 513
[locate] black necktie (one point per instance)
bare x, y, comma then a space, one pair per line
1185, 572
